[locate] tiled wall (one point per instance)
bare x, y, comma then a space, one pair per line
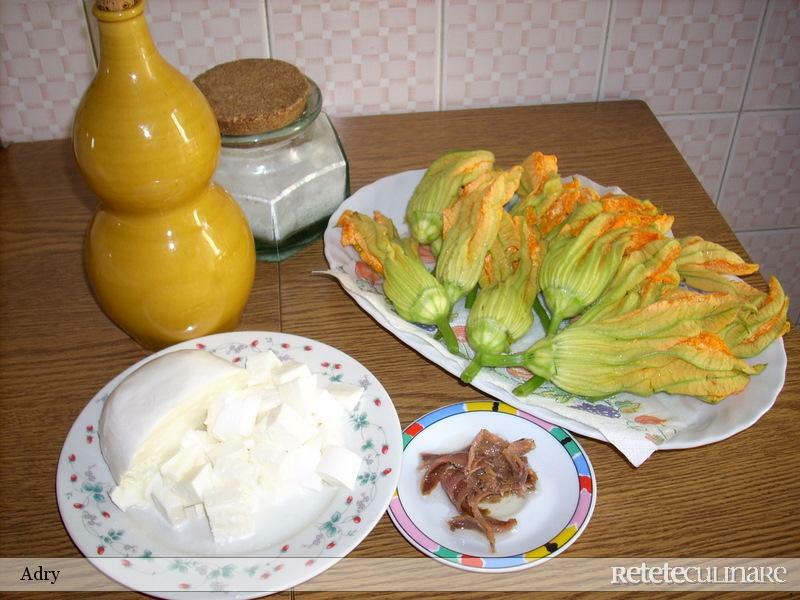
723, 76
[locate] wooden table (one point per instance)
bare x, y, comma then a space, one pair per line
57, 349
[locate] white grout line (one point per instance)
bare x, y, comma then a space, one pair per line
270, 42
699, 115
717, 196
604, 55
723, 111
87, 17
440, 48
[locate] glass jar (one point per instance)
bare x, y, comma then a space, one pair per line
288, 181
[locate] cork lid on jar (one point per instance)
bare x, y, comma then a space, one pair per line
114, 5
254, 95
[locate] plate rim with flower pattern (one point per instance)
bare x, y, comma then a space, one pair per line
110, 540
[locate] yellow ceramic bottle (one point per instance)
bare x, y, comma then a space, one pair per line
169, 253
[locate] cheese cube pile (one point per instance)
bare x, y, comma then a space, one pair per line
283, 431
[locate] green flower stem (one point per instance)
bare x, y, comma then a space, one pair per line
471, 297
541, 313
555, 321
473, 368
503, 360
529, 386
448, 335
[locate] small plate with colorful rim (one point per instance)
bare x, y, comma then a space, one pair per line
549, 519
309, 537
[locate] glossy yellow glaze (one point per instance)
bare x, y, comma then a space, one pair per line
169, 254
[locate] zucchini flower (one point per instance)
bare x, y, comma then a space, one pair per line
502, 312
701, 262
556, 204
499, 261
761, 318
576, 269
641, 279
753, 330
439, 189
537, 169
665, 347
416, 294
475, 222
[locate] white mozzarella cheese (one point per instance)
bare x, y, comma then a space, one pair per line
289, 370
345, 394
194, 484
195, 511
230, 510
231, 451
270, 398
339, 466
233, 414
291, 427
168, 503
260, 367
147, 415
299, 468
182, 462
126, 497
198, 438
268, 453
299, 393
271, 428
326, 409
331, 433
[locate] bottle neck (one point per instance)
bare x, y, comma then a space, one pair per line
125, 36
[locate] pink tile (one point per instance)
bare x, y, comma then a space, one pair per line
518, 52
367, 57
778, 254
704, 142
47, 64
681, 55
775, 80
762, 183
195, 35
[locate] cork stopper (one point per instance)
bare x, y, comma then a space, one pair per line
114, 5
254, 95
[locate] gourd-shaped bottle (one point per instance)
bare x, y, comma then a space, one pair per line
169, 254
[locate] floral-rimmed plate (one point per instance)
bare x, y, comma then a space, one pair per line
143, 553
636, 425
550, 518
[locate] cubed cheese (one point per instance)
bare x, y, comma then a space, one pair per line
195, 511
233, 415
299, 468
198, 438
326, 409
331, 433
270, 398
347, 395
168, 503
260, 367
291, 427
183, 462
245, 472
234, 450
267, 452
289, 370
127, 496
230, 510
339, 466
299, 393
194, 484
